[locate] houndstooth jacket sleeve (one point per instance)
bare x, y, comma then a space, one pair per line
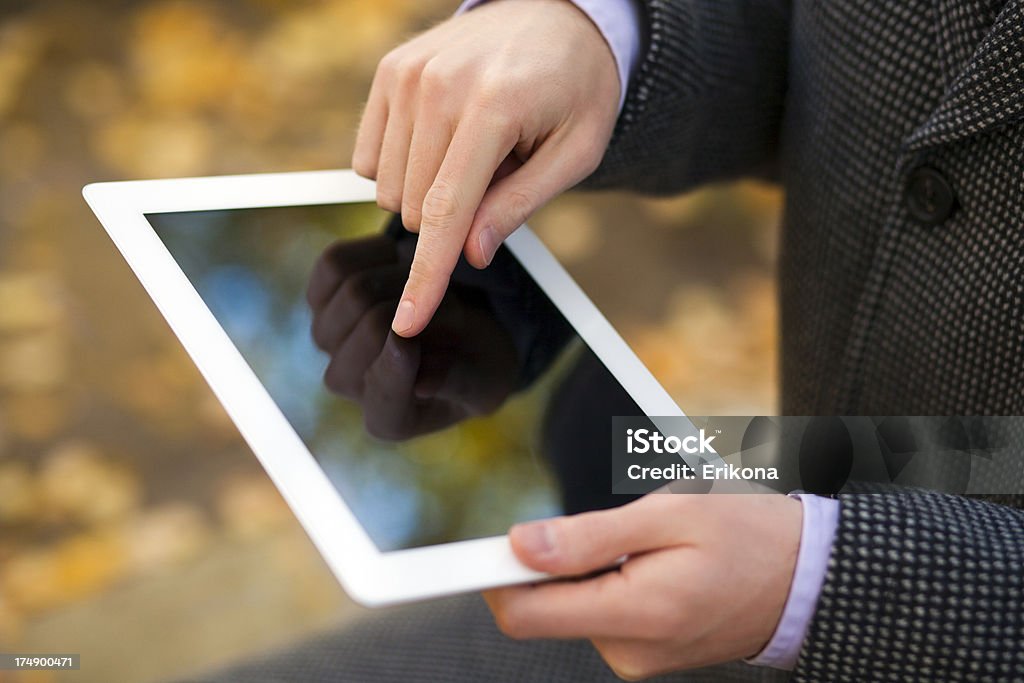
921, 586
705, 101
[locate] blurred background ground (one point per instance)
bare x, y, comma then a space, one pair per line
135, 526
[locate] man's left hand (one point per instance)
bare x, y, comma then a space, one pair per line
704, 581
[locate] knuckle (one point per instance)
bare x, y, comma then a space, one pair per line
521, 203
411, 216
490, 94
321, 331
434, 78
509, 68
318, 290
364, 165
318, 333
388, 199
501, 122
388, 64
496, 100
440, 205
401, 70
407, 75
501, 77
423, 272
313, 294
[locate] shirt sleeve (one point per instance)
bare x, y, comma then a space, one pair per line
619, 24
821, 518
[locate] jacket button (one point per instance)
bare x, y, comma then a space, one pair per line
930, 199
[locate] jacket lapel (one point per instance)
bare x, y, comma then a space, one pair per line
987, 92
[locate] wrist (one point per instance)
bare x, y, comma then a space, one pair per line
817, 531
789, 526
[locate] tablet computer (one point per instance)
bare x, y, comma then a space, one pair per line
406, 461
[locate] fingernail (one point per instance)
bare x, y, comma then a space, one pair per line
489, 243
405, 316
535, 539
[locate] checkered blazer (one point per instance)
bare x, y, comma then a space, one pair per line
897, 129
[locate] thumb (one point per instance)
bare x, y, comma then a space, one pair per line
594, 540
556, 166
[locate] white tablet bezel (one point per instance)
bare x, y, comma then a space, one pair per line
370, 576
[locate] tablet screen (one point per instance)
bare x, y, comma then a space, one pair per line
449, 436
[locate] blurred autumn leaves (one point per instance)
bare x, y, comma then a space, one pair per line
114, 535
688, 281
118, 469
202, 85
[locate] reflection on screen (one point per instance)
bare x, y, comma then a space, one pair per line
429, 440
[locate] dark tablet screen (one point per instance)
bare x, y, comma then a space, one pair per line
440, 438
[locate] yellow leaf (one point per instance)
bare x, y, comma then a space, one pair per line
22, 150
569, 229
33, 362
19, 496
164, 536
78, 483
250, 506
10, 622
29, 300
155, 146
183, 56
94, 90
34, 415
20, 46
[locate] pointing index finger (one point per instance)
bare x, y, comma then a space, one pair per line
449, 206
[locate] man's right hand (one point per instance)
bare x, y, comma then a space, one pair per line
474, 124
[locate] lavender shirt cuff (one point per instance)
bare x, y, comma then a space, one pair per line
821, 517
618, 22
